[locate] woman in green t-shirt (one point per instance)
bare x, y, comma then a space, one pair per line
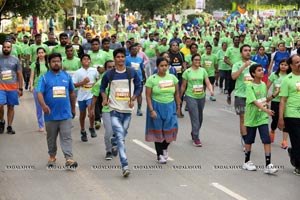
275, 79
163, 104
38, 68
193, 81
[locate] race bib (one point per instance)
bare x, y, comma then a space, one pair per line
166, 84
122, 94
197, 89
247, 78
88, 86
263, 102
298, 87
208, 63
6, 75
178, 69
135, 66
59, 92
152, 46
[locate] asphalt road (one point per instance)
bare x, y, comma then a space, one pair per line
209, 172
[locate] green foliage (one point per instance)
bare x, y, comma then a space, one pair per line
2, 37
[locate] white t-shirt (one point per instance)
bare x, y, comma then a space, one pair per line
84, 92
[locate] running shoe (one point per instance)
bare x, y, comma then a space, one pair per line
249, 166
108, 156
212, 98
97, 125
272, 136
125, 171
2, 126
297, 172
197, 143
162, 160
165, 154
83, 136
284, 144
270, 169
228, 100
92, 132
71, 163
10, 130
139, 112
51, 162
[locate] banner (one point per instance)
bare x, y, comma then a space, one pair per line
267, 13
271, 7
200, 4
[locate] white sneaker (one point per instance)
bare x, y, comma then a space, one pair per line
165, 154
270, 169
249, 166
162, 160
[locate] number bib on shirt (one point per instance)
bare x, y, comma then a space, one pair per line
122, 94
166, 84
207, 63
88, 86
197, 89
263, 102
6, 75
178, 69
277, 87
247, 78
298, 87
135, 66
59, 92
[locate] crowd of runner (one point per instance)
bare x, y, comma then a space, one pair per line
174, 62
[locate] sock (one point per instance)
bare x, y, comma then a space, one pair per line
247, 156
139, 106
268, 159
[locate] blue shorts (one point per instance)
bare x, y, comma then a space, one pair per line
83, 104
11, 98
263, 132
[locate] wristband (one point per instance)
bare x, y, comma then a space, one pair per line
273, 96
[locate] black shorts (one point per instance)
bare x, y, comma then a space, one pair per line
263, 132
239, 105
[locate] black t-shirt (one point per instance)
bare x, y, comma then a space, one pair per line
176, 60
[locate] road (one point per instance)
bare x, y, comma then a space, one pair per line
209, 172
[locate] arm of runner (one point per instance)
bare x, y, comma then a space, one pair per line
31, 80
226, 60
209, 86
73, 102
281, 112
235, 75
183, 87
20, 81
149, 102
177, 99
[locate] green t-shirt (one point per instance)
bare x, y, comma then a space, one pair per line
233, 54
242, 81
70, 66
62, 50
188, 59
150, 48
195, 81
209, 62
43, 70
99, 58
96, 92
221, 64
215, 49
121, 36
288, 41
290, 88
32, 51
267, 45
162, 48
253, 115
163, 88
276, 80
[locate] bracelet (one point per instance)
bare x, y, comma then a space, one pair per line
273, 96
151, 111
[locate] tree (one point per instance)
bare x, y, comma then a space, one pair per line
149, 8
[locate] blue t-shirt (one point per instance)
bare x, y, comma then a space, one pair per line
137, 63
278, 57
55, 89
264, 61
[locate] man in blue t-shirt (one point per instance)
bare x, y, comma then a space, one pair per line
136, 62
57, 98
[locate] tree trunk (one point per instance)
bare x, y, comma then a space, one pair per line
35, 25
66, 19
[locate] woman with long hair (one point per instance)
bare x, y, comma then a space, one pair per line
38, 68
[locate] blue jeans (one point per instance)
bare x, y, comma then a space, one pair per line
120, 123
39, 110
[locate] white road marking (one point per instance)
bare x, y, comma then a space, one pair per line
228, 191
141, 144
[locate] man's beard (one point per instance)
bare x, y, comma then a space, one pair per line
6, 53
